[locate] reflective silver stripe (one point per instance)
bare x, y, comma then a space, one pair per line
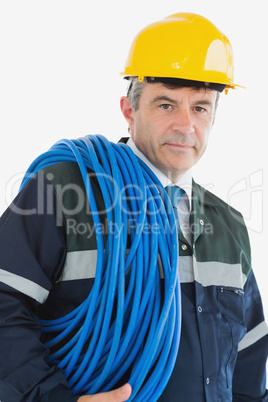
24, 286
253, 336
185, 264
82, 265
79, 265
186, 269
217, 273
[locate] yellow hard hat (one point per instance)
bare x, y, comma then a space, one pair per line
184, 45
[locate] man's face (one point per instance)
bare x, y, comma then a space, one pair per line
171, 126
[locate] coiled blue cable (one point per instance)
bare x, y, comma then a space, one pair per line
144, 335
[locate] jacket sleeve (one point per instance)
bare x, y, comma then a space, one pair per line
32, 254
249, 380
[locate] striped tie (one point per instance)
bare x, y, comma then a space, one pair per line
175, 194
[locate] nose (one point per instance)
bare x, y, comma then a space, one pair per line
183, 122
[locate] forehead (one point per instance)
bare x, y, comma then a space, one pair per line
153, 91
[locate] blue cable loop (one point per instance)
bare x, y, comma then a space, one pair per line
144, 335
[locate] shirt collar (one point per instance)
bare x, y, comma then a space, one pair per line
185, 182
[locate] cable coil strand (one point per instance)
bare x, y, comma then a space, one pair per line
125, 324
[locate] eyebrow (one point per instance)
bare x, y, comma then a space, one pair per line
203, 102
162, 98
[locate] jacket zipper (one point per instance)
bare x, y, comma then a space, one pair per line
238, 292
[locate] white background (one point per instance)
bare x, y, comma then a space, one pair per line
59, 78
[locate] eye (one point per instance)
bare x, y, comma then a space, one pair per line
199, 109
166, 106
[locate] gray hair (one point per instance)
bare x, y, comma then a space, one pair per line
134, 92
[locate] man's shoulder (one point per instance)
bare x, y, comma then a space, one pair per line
209, 199
62, 172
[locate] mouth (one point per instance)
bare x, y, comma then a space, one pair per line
181, 147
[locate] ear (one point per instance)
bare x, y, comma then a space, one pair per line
127, 112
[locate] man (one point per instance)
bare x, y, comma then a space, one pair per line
177, 68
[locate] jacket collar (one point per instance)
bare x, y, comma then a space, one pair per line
205, 197
201, 199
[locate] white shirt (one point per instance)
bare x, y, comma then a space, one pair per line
185, 182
